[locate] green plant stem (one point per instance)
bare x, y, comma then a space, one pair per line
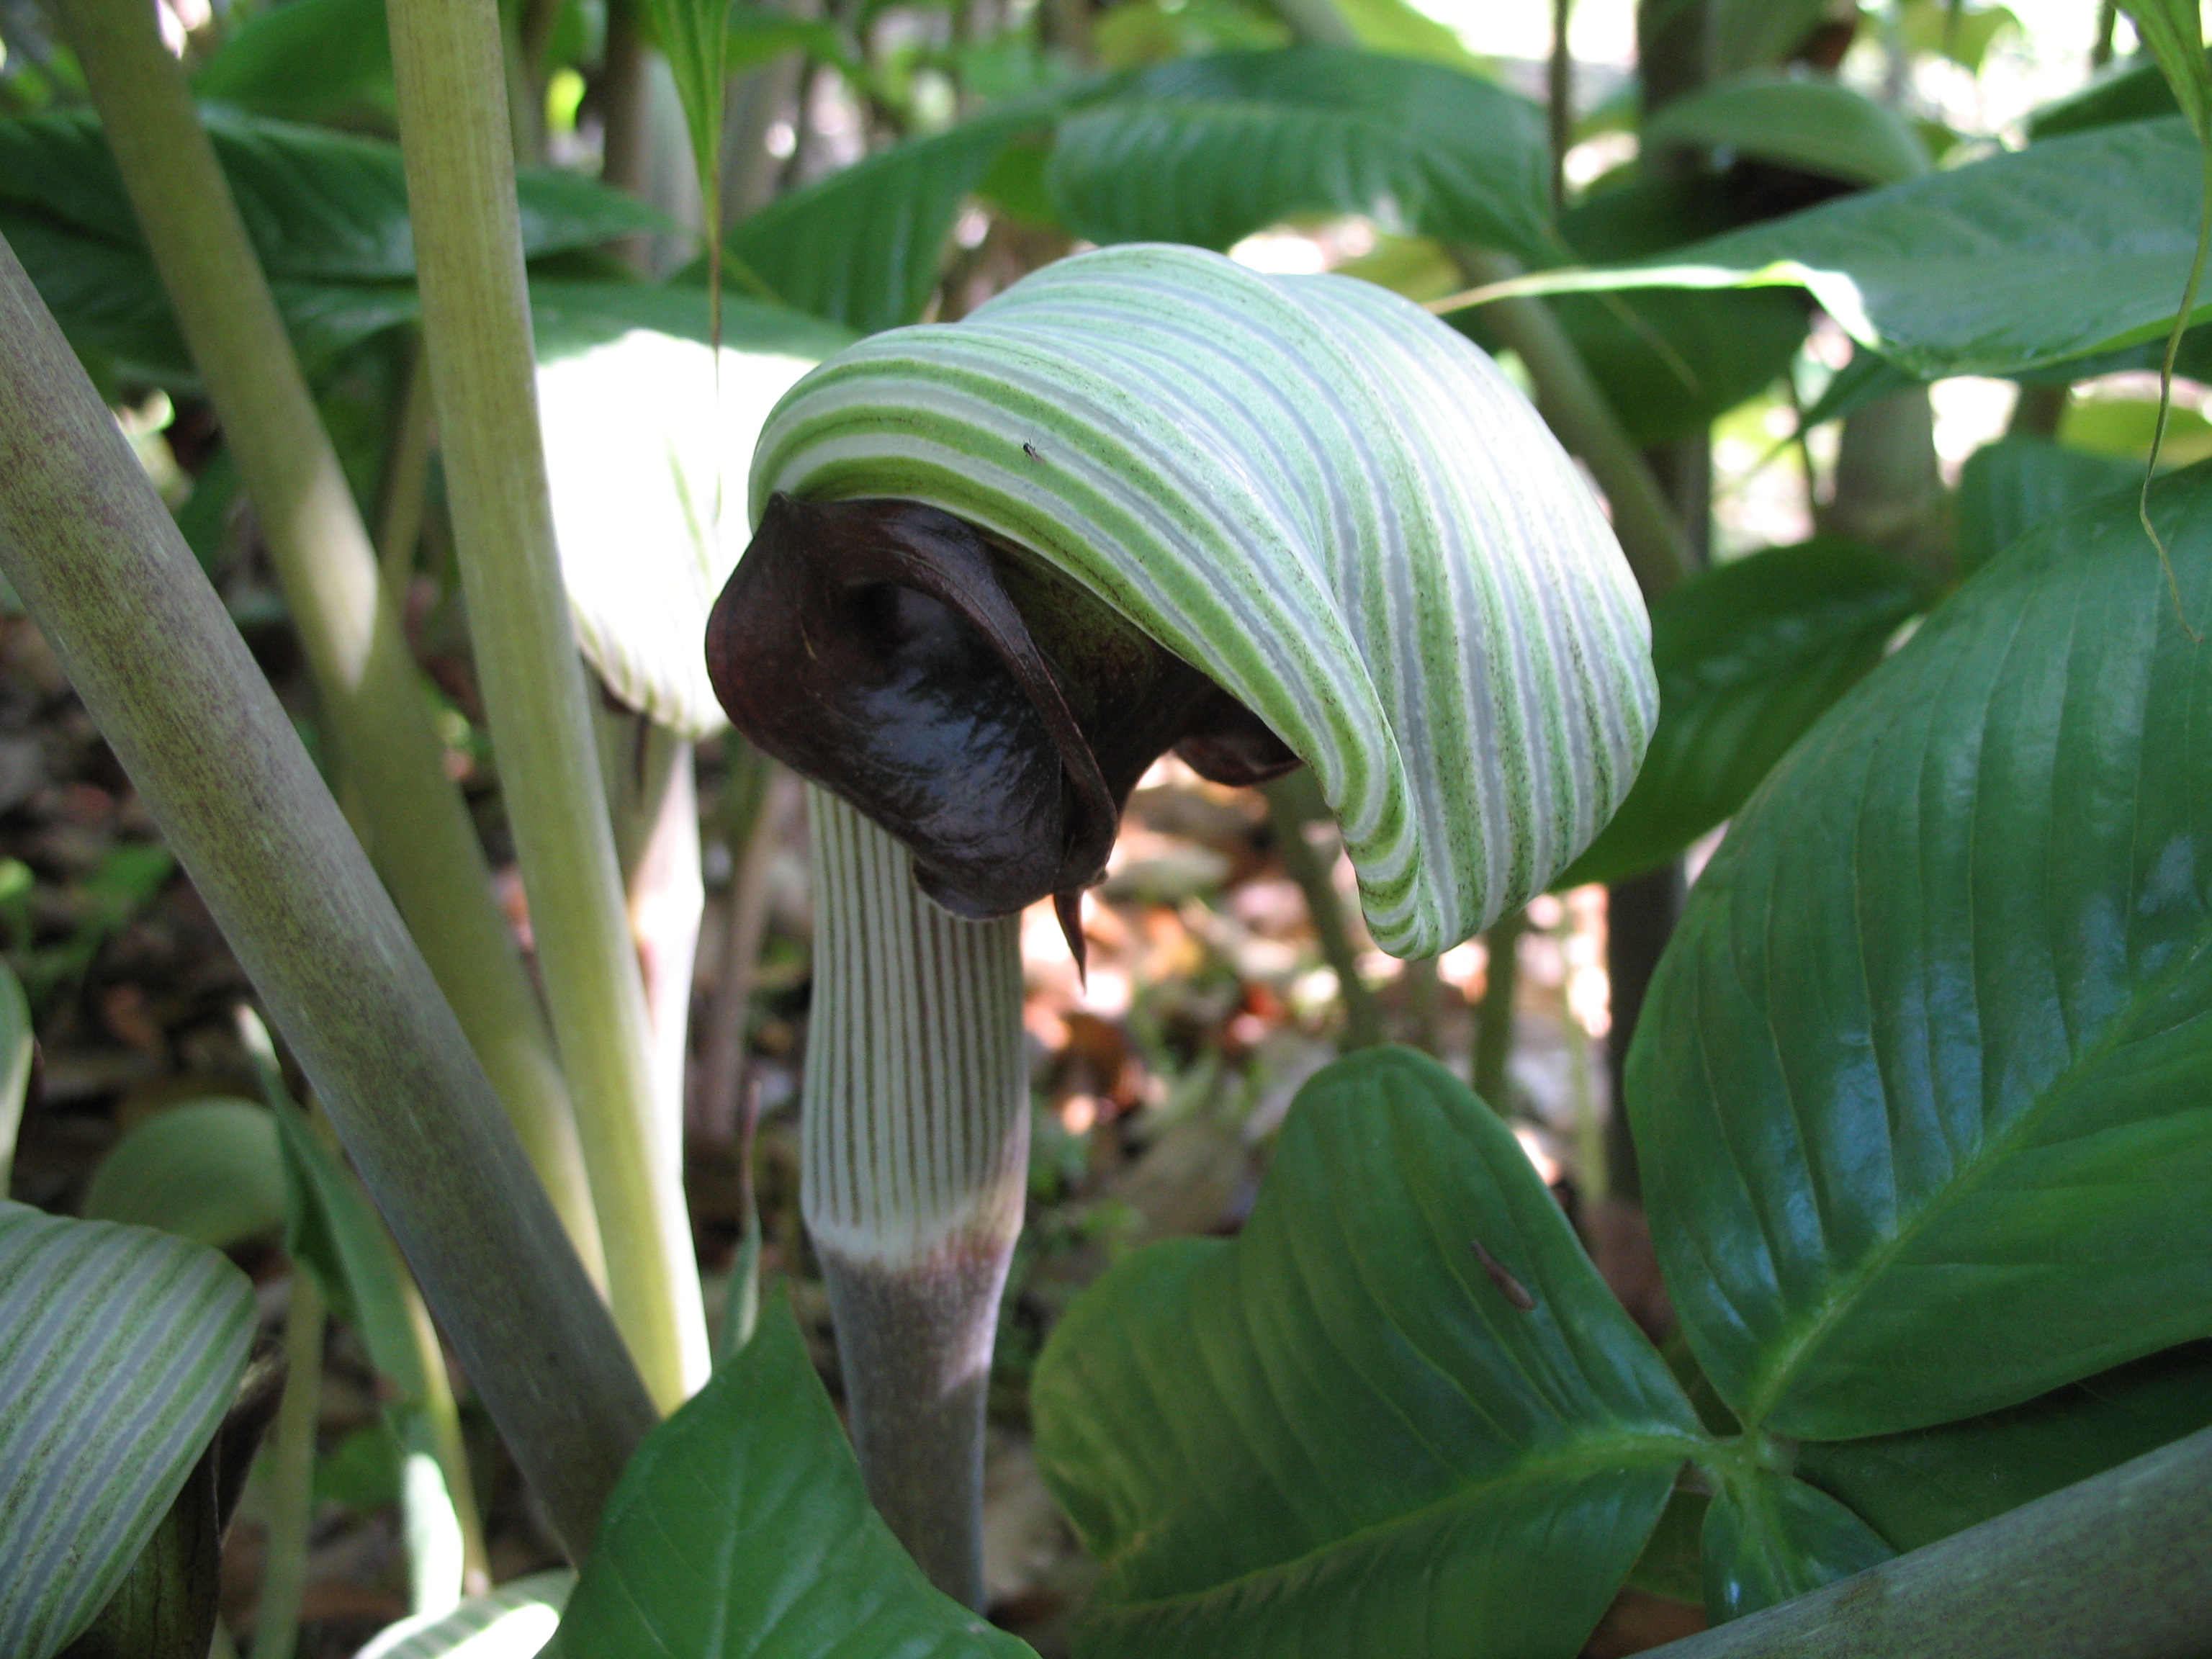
292, 1474
476, 319
760, 801
414, 821
441, 1420
1650, 532
1294, 802
2115, 1566
914, 1147
405, 484
1559, 101
1493, 1015
161, 668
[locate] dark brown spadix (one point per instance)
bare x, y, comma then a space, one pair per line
984, 708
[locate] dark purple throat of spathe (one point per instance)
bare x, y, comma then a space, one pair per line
987, 712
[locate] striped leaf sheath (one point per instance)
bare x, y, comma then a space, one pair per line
121, 1349
1307, 487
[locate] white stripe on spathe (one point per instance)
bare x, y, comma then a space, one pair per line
1333, 504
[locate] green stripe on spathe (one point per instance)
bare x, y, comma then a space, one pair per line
1311, 489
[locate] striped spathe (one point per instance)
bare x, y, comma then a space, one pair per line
1331, 503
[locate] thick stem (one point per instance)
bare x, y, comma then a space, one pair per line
1293, 802
1639, 919
625, 142
1650, 532
415, 822
406, 483
292, 1474
162, 670
476, 319
2115, 1566
1888, 492
914, 1138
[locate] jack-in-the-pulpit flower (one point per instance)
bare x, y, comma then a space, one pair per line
1147, 499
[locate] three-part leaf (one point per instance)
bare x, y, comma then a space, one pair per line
121, 1349
741, 1531
1770, 1537
1400, 1401
1920, 1090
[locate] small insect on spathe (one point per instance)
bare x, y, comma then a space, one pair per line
1032, 452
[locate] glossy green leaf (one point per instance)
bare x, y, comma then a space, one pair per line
18, 1048
1770, 1537
516, 1621
643, 441
121, 1349
1919, 1087
208, 1170
319, 206
301, 60
1927, 1484
1818, 125
1749, 654
1317, 494
2020, 259
741, 1529
2007, 488
1206, 150
862, 247
1372, 1422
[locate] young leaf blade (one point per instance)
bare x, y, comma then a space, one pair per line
1768, 1537
741, 1531
1346, 1432
1941, 998
121, 1349
208, 1170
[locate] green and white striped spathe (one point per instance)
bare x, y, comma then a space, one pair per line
121, 1349
1333, 504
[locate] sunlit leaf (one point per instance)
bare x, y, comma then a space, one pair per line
1370, 1423
1318, 496
1919, 1089
514, 1622
2081, 244
121, 1349
18, 1047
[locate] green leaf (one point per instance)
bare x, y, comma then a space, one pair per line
2172, 30
18, 1048
2133, 94
1756, 35
1770, 1538
1867, 378
1749, 654
319, 206
1399, 29
1314, 494
514, 1622
1673, 1562
2024, 258
642, 441
2007, 488
208, 1170
1919, 1090
862, 247
741, 1529
694, 36
1819, 125
121, 1349
1927, 1484
1206, 150
302, 60
1369, 1425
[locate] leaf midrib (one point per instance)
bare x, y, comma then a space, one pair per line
1581, 1457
